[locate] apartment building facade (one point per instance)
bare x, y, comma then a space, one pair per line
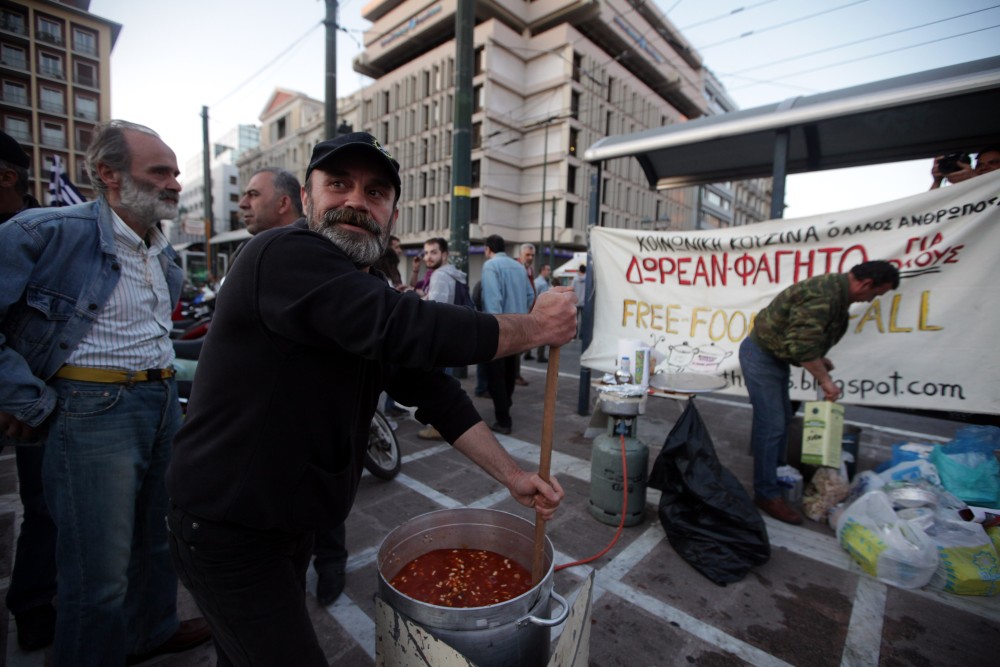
551, 77
55, 83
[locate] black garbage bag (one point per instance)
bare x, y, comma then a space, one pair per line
709, 518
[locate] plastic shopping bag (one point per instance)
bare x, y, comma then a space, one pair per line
973, 476
968, 563
891, 549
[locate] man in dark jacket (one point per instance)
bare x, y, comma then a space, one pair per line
303, 341
798, 327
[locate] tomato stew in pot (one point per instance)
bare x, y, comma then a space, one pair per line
462, 578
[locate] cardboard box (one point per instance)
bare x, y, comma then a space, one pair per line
822, 433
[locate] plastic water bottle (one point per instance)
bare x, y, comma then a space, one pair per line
623, 375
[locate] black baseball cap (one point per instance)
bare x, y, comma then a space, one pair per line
325, 151
11, 151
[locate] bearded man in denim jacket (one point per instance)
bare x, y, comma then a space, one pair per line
86, 294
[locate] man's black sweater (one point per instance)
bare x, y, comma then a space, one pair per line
300, 347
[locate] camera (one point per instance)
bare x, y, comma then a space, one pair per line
949, 163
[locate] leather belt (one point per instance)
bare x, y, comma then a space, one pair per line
110, 376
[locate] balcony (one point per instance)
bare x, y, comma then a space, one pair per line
52, 140
85, 47
52, 72
22, 136
14, 25
53, 107
49, 38
16, 98
85, 80
14, 61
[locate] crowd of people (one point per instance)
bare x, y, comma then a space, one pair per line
268, 459
257, 481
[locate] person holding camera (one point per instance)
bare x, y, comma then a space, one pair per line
957, 167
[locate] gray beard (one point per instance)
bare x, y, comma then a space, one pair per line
362, 249
145, 204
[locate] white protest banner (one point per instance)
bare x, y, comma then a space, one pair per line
931, 344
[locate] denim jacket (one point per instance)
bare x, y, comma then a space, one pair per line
506, 288
58, 268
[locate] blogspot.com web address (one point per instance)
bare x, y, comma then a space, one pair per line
893, 385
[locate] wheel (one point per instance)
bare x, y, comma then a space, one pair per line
382, 457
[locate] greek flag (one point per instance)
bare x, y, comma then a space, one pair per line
61, 191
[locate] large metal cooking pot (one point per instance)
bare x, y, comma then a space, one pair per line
514, 633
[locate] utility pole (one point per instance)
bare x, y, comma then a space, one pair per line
545, 166
206, 165
461, 160
330, 121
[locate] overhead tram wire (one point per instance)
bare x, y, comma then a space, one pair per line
295, 44
854, 43
873, 55
754, 33
738, 10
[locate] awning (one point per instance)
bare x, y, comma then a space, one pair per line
570, 268
939, 111
231, 236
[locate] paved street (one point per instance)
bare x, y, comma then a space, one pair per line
809, 605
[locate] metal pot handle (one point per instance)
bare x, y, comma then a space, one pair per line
549, 622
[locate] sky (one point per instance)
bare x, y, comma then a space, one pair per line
173, 58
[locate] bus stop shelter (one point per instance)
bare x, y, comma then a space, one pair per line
945, 110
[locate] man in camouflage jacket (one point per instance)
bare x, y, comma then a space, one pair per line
798, 328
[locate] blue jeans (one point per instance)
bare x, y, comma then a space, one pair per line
106, 457
766, 379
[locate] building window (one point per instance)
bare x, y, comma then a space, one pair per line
477, 98
577, 63
233, 197
477, 135
571, 179
574, 139
570, 214
85, 74
15, 93
84, 41
232, 180
13, 56
574, 104
280, 128
82, 175
51, 100
13, 22
18, 128
50, 65
49, 31
473, 210
474, 174
477, 63
85, 106
84, 135
54, 135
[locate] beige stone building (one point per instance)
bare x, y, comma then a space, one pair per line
551, 77
290, 125
55, 83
